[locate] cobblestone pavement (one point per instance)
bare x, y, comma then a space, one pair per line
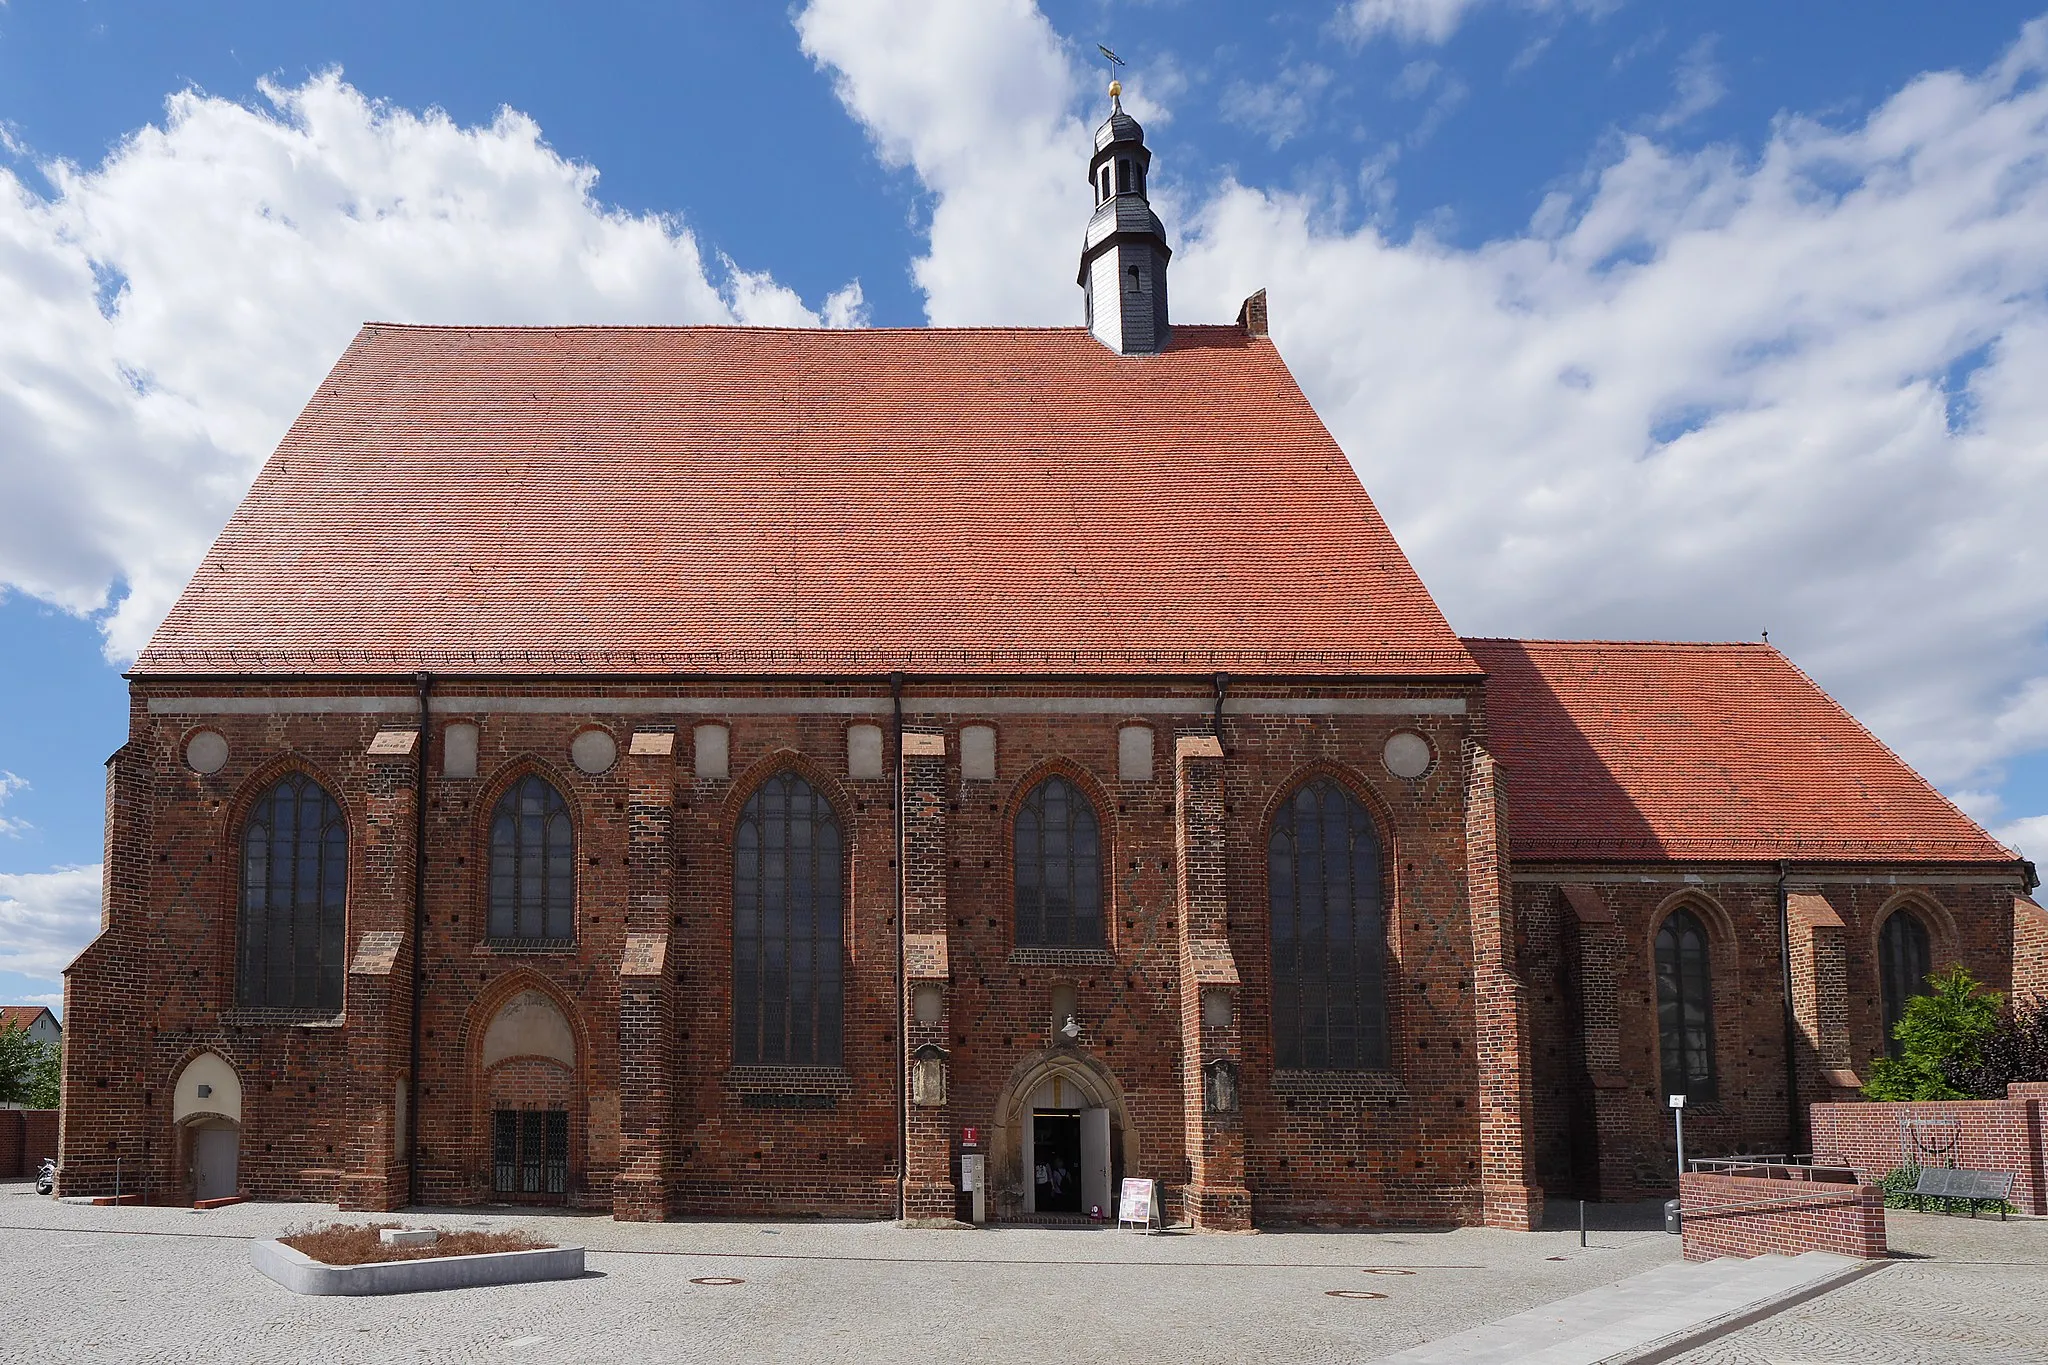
133, 1284
1980, 1295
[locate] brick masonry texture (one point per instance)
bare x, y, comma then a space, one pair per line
1601, 1127
1732, 1215
26, 1137
1979, 1135
1523, 1042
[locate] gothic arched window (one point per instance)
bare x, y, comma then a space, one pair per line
293, 921
1058, 868
533, 864
1324, 884
1685, 1007
786, 899
1902, 968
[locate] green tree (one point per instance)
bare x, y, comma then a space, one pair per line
1946, 1028
29, 1070
2017, 1050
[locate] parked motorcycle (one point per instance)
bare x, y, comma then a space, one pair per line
46, 1175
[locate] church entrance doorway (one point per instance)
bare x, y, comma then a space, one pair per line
1066, 1150
530, 1155
216, 1161
1056, 1162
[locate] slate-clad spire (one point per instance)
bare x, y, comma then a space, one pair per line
1123, 258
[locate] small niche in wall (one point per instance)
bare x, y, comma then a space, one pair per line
458, 750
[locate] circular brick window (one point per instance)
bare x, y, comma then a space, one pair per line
594, 751
1407, 755
206, 752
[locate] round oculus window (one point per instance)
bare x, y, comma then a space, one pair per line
206, 752
1407, 755
594, 751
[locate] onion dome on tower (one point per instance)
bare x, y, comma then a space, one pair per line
1124, 256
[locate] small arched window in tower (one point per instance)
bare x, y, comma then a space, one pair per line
787, 976
533, 865
1058, 868
1902, 968
1139, 179
1685, 1007
1137, 281
294, 890
1104, 186
1324, 891
1123, 175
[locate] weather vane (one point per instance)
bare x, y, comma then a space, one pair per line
1116, 88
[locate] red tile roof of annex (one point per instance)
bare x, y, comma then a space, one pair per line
736, 500
1620, 751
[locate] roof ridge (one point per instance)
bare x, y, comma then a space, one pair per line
1619, 644
751, 327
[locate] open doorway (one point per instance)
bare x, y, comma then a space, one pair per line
1056, 1162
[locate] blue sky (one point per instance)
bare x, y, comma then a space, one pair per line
1686, 212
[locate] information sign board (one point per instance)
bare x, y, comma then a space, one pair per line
1137, 1204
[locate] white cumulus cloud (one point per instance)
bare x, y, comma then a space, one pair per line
1432, 21
46, 918
1708, 393
169, 310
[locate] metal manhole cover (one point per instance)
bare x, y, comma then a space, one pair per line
1354, 1294
716, 1280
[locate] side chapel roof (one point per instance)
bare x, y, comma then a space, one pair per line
1627, 751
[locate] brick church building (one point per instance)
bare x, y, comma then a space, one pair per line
727, 770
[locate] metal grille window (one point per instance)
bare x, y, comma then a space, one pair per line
1902, 968
1324, 882
1685, 1007
533, 864
1058, 868
530, 1153
786, 970
293, 918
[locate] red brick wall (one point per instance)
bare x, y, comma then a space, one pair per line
1727, 1215
158, 985
26, 1137
2029, 950
1605, 1129
1991, 1135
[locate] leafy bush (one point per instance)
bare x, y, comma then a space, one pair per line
1948, 1027
29, 1070
1897, 1187
2016, 1050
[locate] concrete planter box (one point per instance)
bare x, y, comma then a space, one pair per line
301, 1274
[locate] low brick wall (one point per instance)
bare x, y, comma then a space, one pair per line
1734, 1215
26, 1137
1990, 1135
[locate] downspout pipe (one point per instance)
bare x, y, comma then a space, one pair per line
1795, 1137
902, 1004
424, 681
1222, 681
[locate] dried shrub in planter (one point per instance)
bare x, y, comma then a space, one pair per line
358, 1244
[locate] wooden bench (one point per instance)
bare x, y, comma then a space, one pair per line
1976, 1187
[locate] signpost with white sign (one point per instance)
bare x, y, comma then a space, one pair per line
1138, 1204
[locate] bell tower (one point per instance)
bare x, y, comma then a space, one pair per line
1124, 256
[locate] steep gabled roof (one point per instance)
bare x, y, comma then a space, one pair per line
24, 1016
1677, 751
754, 500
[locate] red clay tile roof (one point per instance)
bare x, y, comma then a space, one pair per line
23, 1016
755, 500
1673, 751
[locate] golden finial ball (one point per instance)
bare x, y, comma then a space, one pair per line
1116, 89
